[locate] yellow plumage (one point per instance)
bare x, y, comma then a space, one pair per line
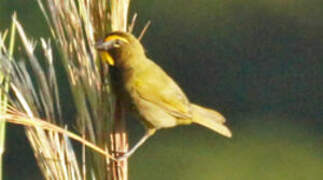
160, 102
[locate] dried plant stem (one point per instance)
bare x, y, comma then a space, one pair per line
119, 145
118, 137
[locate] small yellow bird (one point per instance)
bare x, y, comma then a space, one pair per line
147, 88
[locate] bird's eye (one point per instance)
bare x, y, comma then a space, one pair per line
117, 43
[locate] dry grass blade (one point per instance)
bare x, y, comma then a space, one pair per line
119, 15
37, 102
76, 25
14, 116
144, 30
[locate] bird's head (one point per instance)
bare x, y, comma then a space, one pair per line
118, 47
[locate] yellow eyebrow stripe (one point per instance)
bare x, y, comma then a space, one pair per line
113, 37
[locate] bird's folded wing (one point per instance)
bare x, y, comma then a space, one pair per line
164, 92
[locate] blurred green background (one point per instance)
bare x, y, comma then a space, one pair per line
259, 62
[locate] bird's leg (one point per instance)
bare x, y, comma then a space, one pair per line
149, 132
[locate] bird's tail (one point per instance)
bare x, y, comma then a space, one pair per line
210, 119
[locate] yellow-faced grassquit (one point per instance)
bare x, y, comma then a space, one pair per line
150, 91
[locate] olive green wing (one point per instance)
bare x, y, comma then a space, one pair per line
155, 86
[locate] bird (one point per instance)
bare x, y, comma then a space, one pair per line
148, 91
